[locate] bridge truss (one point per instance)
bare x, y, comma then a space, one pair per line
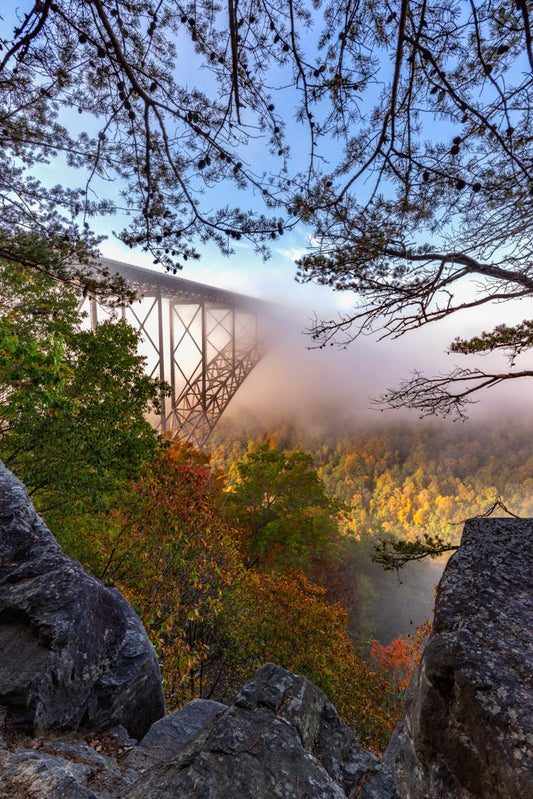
202, 341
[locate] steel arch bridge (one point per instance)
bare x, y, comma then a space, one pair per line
202, 341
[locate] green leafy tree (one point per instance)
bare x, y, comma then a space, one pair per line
72, 401
280, 500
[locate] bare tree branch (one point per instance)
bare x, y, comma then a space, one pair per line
446, 394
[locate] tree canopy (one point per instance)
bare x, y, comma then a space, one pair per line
167, 544
430, 205
414, 118
281, 501
72, 401
105, 88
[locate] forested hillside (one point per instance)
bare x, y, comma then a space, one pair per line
400, 481
404, 478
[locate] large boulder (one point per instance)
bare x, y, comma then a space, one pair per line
467, 732
282, 738
74, 655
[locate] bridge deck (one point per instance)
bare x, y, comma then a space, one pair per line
169, 286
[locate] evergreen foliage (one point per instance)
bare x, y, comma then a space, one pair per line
98, 90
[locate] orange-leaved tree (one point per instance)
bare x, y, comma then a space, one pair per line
173, 556
398, 660
169, 548
284, 618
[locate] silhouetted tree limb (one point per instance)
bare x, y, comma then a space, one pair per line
427, 213
410, 122
393, 555
131, 73
446, 394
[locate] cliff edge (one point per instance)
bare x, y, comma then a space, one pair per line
74, 655
467, 729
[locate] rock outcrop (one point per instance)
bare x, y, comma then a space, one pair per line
282, 738
59, 769
169, 735
101, 766
74, 655
468, 726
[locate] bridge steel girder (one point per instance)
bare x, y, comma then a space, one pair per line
200, 340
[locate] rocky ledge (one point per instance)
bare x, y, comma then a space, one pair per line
281, 738
74, 654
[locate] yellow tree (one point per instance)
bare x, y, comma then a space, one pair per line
285, 618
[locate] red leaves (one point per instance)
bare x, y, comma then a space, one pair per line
397, 660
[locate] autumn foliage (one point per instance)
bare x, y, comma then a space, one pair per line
284, 618
173, 556
396, 663
396, 660
181, 555
229, 569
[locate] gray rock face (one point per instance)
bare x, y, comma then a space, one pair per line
57, 770
468, 726
104, 765
281, 739
169, 735
74, 655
